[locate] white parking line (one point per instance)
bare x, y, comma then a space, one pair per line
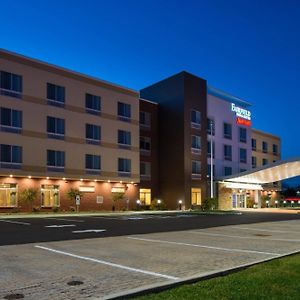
60, 226
266, 230
15, 222
67, 220
244, 237
108, 263
204, 246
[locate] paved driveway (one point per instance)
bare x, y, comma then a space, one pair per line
106, 267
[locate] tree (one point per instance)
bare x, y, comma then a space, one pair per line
117, 197
29, 196
72, 193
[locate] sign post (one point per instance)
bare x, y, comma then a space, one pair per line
77, 202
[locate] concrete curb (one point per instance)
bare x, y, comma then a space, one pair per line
156, 288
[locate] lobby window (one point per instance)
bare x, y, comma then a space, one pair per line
227, 131
124, 111
195, 119
243, 155
10, 84
265, 161
227, 152
253, 143
55, 95
210, 127
55, 160
227, 171
275, 149
145, 119
242, 135
145, 169
145, 143
8, 195
254, 162
50, 195
55, 128
124, 139
196, 168
265, 147
10, 156
209, 148
124, 166
92, 164
196, 144
92, 134
196, 196
92, 104
10, 120
145, 196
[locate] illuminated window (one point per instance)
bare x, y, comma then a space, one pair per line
145, 196
196, 196
50, 195
8, 195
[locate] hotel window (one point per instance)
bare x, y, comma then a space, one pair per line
275, 149
92, 164
55, 128
8, 195
227, 131
265, 161
210, 127
196, 144
10, 156
124, 111
55, 95
227, 171
145, 143
10, 120
227, 152
243, 170
265, 147
208, 170
243, 135
92, 104
10, 84
196, 196
145, 119
124, 166
195, 119
254, 162
145, 169
124, 139
209, 148
196, 167
145, 196
243, 155
50, 195
55, 160
253, 143
92, 134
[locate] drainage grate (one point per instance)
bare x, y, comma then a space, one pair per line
14, 296
75, 282
261, 234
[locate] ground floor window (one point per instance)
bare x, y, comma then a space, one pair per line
50, 195
8, 195
196, 196
145, 196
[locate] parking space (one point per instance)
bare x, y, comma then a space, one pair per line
111, 265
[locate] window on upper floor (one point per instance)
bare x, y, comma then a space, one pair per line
55, 128
196, 119
209, 170
227, 152
196, 167
55, 160
227, 171
210, 146
253, 143
242, 135
124, 111
145, 143
227, 131
92, 134
145, 169
196, 144
243, 155
10, 120
210, 126
55, 95
92, 104
92, 163
254, 161
124, 139
145, 119
265, 161
275, 149
10, 156
265, 147
124, 166
10, 84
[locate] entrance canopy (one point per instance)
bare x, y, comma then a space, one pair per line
277, 171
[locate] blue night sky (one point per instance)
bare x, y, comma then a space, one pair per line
250, 49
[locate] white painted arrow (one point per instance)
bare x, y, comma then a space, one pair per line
58, 226
89, 230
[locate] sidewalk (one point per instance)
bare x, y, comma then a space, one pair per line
271, 210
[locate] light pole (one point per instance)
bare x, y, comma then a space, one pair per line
180, 203
211, 161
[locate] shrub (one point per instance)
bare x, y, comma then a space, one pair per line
29, 196
157, 206
209, 203
55, 209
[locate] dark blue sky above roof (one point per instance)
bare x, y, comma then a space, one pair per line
250, 49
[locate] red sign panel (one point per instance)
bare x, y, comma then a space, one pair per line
241, 121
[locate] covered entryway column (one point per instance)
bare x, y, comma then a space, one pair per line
257, 198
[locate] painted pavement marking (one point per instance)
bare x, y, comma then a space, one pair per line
108, 263
266, 230
60, 226
89, 230
15, 222
67, 220
205, 246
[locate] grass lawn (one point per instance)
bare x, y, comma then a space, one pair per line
277, 279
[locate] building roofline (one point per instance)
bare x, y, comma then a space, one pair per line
146, 100
32, 62
266, 133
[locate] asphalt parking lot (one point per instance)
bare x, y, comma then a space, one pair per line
99, 268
